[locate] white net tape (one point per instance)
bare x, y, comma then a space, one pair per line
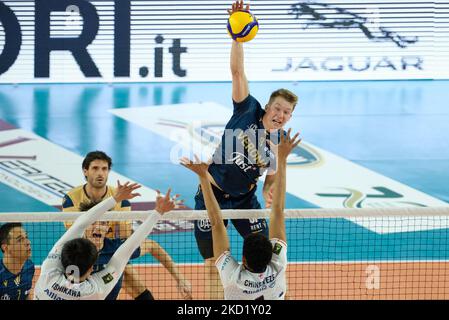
236, 214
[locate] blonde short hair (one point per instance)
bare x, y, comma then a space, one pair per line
286, 94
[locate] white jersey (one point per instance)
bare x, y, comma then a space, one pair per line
241, 284
56, 286
53, 283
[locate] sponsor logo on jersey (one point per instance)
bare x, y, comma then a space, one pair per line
277, 248
107, 278
17, 280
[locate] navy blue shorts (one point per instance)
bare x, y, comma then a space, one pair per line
203, 232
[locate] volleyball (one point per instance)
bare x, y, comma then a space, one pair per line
242, 26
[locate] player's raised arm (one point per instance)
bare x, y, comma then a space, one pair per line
122, 255
219, 233
240, 89
277, 219
123, 192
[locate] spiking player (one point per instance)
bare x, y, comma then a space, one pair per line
262, 274
233, 173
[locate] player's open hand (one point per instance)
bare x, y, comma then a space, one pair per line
287, 144
200, 168
166, 203
238, 6
125, 191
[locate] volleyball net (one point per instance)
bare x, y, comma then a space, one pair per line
394, 253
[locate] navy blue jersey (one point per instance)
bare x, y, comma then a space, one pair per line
244, 153
16, 286
105, 255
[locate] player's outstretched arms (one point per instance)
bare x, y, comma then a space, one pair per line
240, 89
119, 260
219, 233
277, 219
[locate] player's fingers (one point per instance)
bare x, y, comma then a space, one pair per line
184, 164
167, 195
175, 200
197, 160
295, 136
296, 144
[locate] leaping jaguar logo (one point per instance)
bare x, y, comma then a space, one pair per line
339, 18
